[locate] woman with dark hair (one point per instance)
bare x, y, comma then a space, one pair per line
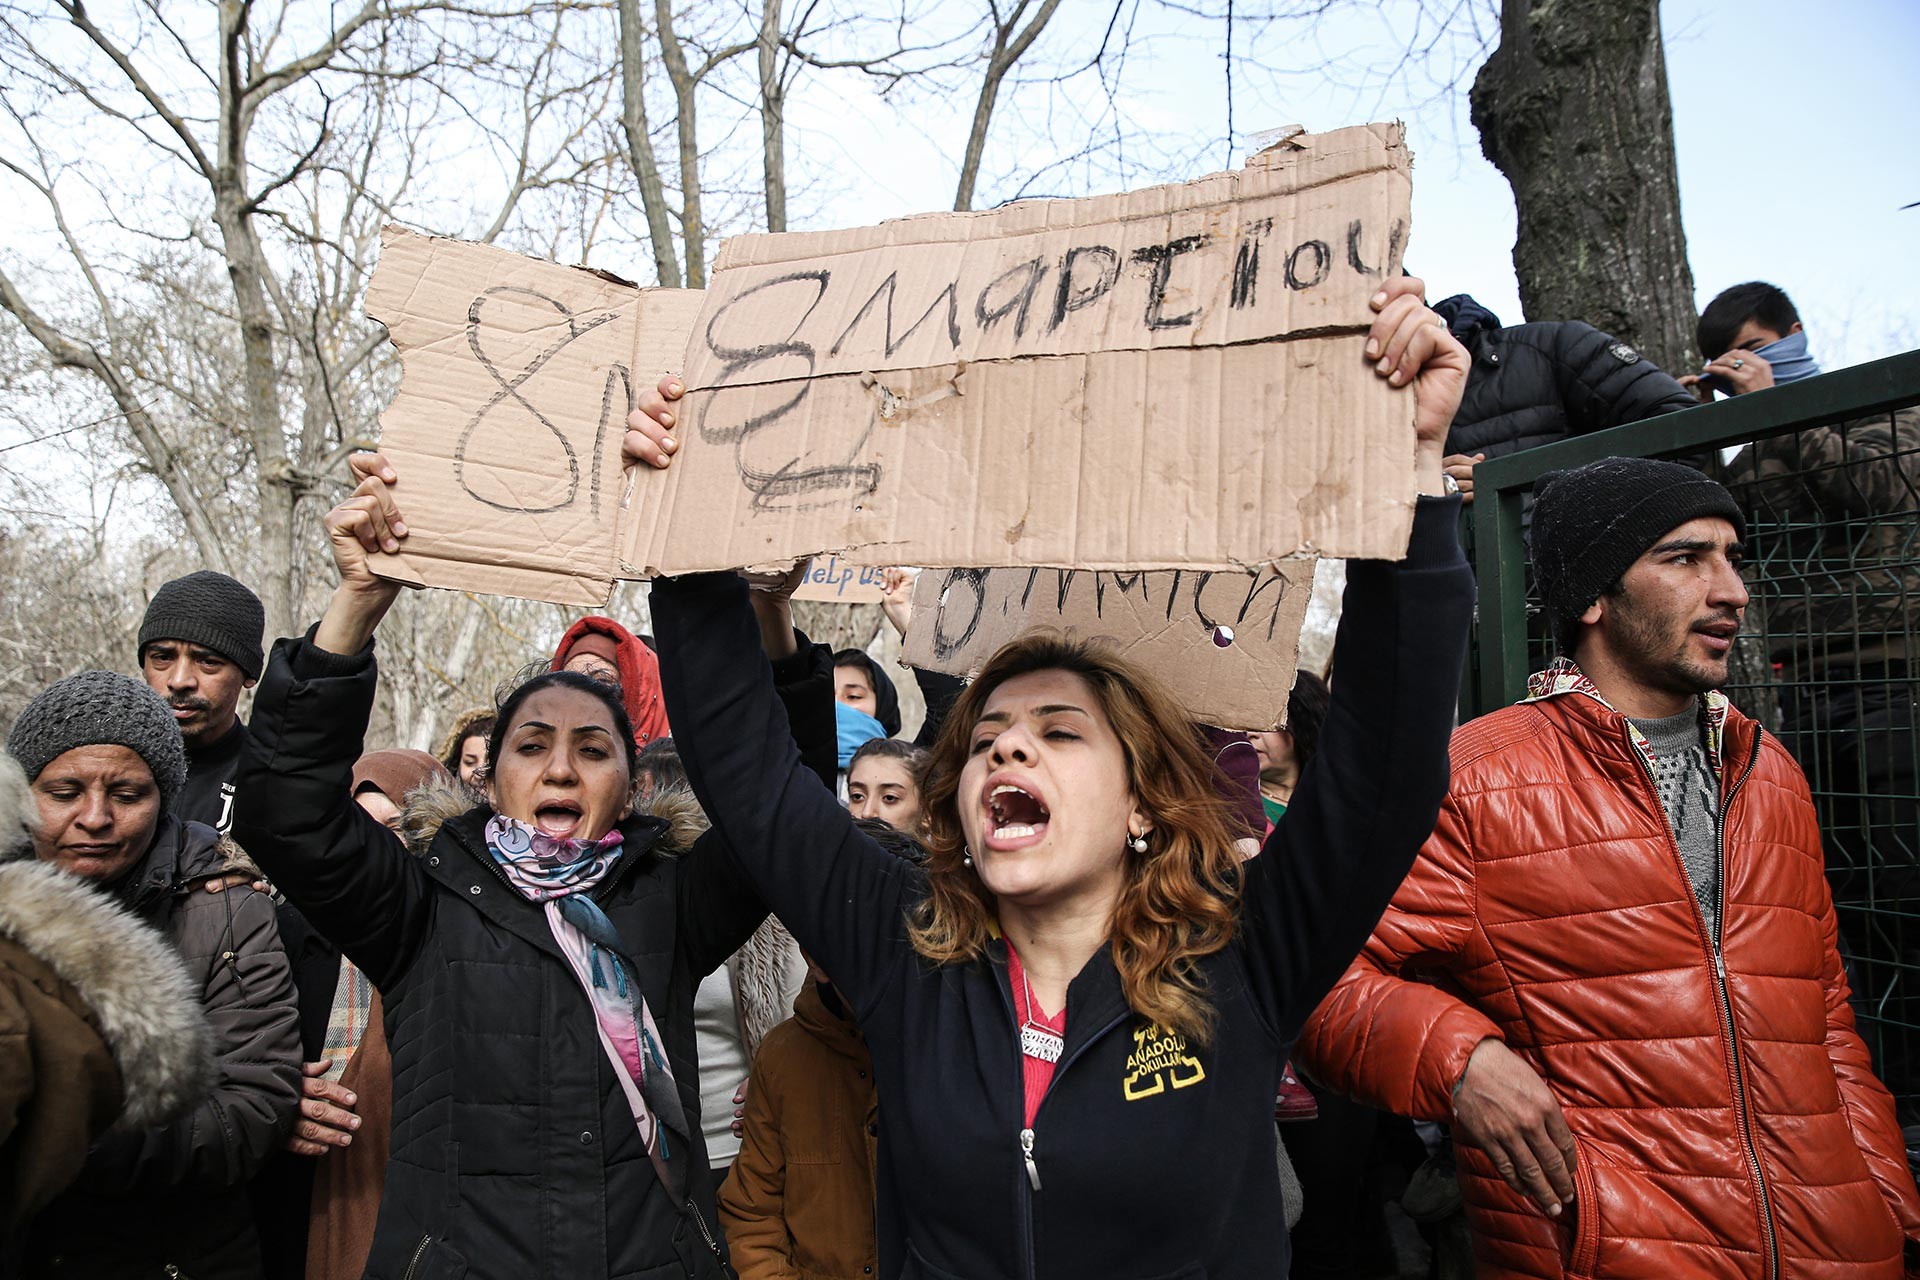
464, 750
885, 781
537, 956
1078, 1009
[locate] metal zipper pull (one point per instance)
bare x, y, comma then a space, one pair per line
1026, 1152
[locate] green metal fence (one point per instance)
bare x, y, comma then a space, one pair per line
1830, 482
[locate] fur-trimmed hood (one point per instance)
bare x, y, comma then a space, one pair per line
430, 807
128, 974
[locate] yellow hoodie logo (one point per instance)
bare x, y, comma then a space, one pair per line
1159, 1060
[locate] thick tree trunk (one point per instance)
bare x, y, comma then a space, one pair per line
1573, 109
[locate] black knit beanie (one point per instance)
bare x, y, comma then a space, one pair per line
1590, 524
211, 609
96, 708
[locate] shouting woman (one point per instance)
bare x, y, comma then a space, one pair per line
537, 955
1079, 1008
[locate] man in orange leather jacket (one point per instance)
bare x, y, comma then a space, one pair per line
1633, 1011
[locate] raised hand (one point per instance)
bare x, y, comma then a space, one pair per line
368, 520
896, 597
1740, 371
650, 440
1409, 345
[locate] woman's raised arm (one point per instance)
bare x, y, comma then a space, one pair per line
840, 894
293, 808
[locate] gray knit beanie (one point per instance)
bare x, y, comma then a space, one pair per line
1591, 523
95, 708
211, 609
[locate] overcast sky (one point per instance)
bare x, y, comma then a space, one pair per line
1794, 122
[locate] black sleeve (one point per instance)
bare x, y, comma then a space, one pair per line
294, 810
1606, 383
1369, 799
719, 906
941, 691
838, 892
804, 682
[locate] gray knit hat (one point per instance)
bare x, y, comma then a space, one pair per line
95, 708
211, 609
1591, 523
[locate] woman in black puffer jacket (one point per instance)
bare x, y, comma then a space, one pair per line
536, 961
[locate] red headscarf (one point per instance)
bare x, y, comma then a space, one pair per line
639, 672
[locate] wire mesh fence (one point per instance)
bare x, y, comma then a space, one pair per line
1828, 474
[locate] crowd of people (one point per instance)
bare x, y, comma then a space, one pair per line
681, 961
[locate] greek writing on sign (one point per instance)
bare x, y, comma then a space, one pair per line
1224, 641
1171, 378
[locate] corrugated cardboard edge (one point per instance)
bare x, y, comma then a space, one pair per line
1311, 160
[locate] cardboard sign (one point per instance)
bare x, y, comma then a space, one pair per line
1225, 643
1171, 378
517, 376
834, 581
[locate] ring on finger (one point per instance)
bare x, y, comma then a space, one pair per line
1739, 364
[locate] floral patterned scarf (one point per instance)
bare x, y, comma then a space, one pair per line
559, 874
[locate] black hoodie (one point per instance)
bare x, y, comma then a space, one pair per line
1152, 1157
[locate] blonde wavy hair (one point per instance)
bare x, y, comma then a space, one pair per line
1181, 898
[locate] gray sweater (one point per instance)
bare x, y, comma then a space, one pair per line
1690, 794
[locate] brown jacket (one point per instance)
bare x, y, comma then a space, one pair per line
1721, 1102
98, 1024
799, 1202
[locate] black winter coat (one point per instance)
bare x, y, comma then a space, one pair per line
176, 1195
1533, 384
514, 1151
1153, 1157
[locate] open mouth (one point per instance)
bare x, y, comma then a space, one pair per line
558, 818
1718, 635
1016, 814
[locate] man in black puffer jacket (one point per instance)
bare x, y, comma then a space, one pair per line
1533, 384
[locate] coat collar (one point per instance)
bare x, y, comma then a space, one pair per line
1095, 999
836, 1030
1564, 678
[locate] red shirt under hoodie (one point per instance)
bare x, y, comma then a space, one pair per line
1035, 1073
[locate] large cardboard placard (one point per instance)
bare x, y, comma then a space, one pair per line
1171, 378
1226, 643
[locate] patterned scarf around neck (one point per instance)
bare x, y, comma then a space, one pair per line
559, 874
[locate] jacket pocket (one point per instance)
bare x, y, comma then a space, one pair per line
434, 1260
1581, 1240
